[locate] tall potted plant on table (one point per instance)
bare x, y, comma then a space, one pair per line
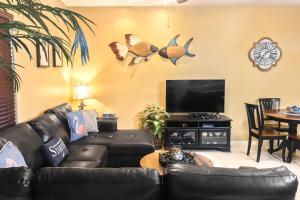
153, 117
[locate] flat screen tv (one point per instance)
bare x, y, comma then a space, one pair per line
195, 96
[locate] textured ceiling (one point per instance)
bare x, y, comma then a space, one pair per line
173, 2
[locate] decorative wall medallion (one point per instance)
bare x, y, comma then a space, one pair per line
173, 51
265, 54
141, 49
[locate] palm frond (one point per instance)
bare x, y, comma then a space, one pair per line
14, 77
38, 14
37, 32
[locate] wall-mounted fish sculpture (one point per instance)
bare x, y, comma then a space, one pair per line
173, 51
141, 49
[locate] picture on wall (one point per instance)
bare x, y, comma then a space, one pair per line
57, 57
42, 53
141, 50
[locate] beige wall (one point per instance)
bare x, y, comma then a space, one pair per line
41, 87
223, 36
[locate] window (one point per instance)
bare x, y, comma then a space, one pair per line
7, 95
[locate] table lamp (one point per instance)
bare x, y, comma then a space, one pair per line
82, 92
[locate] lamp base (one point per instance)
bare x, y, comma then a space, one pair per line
81, 105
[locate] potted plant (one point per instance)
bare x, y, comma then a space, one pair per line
153, 118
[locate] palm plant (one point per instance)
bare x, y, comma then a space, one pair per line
36, 32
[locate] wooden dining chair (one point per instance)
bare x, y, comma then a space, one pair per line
257, 130
294, 144
271, 104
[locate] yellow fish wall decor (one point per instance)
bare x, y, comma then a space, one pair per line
141, 49
173, 51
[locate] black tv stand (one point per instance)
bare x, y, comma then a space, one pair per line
206, 132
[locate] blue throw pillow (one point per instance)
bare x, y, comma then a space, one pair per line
77, 125
10, 156
55, 151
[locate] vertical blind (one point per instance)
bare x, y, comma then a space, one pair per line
7, 95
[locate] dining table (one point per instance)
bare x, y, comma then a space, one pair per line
285, 116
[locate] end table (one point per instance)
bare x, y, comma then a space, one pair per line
107, 124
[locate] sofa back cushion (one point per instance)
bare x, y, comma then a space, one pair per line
28, 142
48, 126
61, 113
187, 182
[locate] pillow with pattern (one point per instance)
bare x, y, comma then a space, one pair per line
55, 151
90, 117
10, 155
77, 125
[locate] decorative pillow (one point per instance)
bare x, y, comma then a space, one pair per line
77, 125
10, 156
90, 118
55, 151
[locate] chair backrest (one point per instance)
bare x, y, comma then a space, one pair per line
268, 104
254, 118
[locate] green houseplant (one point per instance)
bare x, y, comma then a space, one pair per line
153, 118
36, 30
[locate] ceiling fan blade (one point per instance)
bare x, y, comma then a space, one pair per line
181, 1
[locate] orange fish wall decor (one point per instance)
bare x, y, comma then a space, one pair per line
141, 49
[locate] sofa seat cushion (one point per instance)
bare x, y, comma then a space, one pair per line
122, 142
81, 164
126, 147
48, 126
97, 153
132, 142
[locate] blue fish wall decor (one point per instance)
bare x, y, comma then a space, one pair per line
173, 51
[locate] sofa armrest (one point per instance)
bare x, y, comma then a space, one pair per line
95, 184
15, 183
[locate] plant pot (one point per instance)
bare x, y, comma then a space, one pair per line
158, 142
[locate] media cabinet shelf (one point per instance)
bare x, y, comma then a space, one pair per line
198, 133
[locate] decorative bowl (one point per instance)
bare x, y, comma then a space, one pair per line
174, 157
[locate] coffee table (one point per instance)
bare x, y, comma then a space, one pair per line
152, 161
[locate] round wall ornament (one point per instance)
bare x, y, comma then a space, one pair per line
265, 53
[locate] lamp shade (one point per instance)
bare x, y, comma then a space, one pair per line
82, 92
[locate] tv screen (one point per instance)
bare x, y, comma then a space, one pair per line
195, 96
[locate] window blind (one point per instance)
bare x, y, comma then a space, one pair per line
7, 95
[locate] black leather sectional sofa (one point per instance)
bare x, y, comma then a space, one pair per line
106, 166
